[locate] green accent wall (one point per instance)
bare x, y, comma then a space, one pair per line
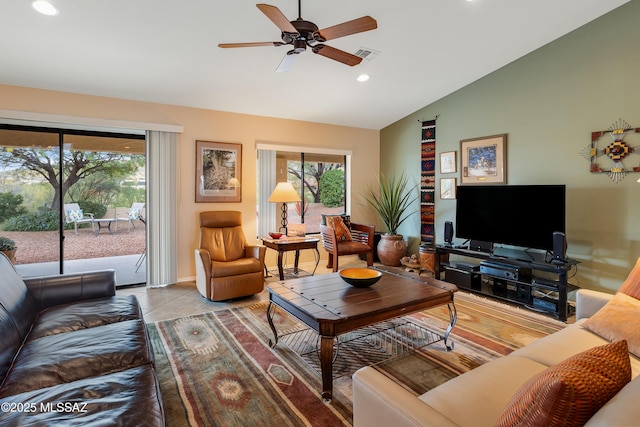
548, 103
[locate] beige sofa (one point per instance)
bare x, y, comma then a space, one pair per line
478, 397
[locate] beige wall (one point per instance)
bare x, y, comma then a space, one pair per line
548, 103
211, 126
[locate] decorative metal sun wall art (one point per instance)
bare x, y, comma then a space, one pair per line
609, 156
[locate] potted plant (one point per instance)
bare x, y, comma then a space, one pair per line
8, 247
392, 201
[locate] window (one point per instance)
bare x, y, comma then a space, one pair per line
319, 178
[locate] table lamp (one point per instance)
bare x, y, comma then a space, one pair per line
284, 193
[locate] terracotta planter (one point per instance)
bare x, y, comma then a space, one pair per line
11, 255
391, 248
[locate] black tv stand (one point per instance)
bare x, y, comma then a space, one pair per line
524, 280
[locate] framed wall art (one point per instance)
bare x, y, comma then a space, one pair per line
483, 160
218, 172
612, 154
448, 162
447, 188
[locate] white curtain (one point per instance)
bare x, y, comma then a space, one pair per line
161, 170
266, 183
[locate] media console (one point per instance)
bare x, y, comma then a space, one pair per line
538, 285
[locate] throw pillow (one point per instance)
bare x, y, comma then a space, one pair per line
569, 393
345, 218
134, 213
631, 286
75, 215
618, 320
342, 231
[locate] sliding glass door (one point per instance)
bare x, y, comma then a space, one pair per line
75, 201
29, 174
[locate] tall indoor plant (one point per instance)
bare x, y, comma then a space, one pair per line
392, 200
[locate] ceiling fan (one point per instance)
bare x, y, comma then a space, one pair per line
301, 34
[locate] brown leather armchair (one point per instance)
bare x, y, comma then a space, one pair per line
361, 243
226, 266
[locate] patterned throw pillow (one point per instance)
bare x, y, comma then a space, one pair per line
631, 286
345, 218
569, 393
134, 213
75, 215
342, 231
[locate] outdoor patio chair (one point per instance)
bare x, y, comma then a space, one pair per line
73, 214
135, 213
227, 266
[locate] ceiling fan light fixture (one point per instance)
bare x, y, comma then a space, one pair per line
363, 77
45, 7
299, 46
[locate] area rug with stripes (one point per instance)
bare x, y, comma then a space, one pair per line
218, 369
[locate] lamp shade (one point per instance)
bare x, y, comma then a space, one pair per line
284, 192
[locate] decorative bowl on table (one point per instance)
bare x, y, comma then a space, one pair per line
275, 235
360, 277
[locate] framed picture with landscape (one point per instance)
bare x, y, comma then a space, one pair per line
483, 160
218, 172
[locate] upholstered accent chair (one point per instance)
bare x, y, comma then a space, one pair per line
226, 266
347, 239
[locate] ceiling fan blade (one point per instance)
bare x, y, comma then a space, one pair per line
277, 17
337, 54
366, 23
255, 44
287, 62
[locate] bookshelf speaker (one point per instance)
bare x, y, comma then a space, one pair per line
448, 232
559, 247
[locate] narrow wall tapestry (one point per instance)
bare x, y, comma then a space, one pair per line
427, 182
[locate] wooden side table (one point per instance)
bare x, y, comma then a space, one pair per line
286, 244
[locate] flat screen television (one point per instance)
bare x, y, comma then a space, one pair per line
516, 215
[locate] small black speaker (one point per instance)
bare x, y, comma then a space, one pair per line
559, 247
448, 232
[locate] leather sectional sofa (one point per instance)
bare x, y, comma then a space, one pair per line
74, 353
507, 391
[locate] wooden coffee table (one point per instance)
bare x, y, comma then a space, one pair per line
332, 307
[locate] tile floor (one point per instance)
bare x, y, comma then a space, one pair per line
183, 299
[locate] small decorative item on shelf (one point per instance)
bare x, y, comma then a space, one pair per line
360, 277
275, 235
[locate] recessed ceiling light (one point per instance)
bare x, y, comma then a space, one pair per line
45, 7
363, 77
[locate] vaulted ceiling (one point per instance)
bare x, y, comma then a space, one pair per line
166, 51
